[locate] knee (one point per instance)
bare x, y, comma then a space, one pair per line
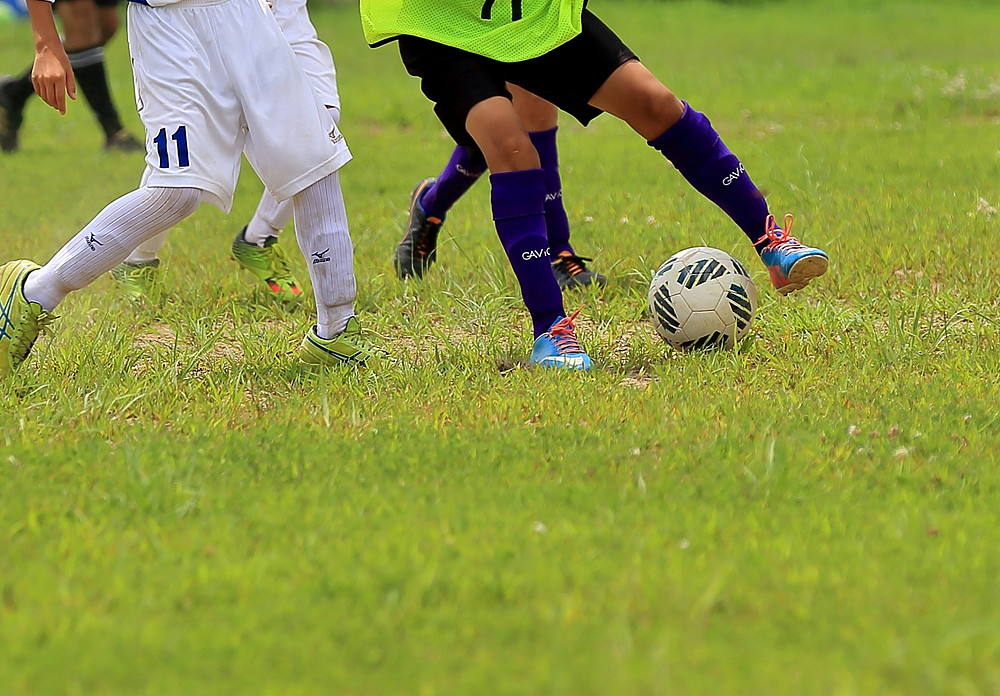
510, 151
656, 108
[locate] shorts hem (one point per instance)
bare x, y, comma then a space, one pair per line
212, 192
306, 180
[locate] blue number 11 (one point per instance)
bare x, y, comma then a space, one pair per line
179, 137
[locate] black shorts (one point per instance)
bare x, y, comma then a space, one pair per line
567, 76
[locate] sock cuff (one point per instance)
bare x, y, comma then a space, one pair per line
665, 139
518, 194
543, 136
86, 58
689, 141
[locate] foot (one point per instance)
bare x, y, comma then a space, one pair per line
10, 118
268, 263
123, 141
572, 272
350, 347
418, 248
791, 264
20, 321
137, 279
559, 347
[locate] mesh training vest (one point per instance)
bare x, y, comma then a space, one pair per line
505, 30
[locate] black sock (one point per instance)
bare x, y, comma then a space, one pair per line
88, 65
19, 90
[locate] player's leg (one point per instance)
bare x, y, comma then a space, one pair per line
688, 140
86, 28
31, 293
308, 174
541, 118
430, 201
517, 192
139, 275
256, 246
14, 95
472, 102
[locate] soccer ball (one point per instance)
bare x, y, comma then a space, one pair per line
702, 298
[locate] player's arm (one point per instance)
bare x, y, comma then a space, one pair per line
52, 74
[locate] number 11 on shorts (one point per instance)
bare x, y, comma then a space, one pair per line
179, 137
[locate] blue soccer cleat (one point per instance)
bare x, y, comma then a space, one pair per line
559, 347
791, 264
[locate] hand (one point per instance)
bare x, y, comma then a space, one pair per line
53, 79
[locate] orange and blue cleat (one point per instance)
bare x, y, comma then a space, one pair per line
792, 265
559, 347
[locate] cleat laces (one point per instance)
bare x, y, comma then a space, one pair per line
571, 264
778, 237
563, 335
427, 239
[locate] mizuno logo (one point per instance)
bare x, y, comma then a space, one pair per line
535, 254
93, 242
320, 256
734, 175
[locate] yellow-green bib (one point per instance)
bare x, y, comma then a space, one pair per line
506, 30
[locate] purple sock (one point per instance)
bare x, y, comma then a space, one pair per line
699, 154
555, 215
462, 171
519, 214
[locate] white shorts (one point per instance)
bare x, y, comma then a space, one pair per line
215, 78
314, 55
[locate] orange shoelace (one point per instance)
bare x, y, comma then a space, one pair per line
563, 334
571, 263
778, 236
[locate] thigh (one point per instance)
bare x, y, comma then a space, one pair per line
80, 24
536, 113
108, 20
313, 55
292, 141
454, 80
190, 111
571, 74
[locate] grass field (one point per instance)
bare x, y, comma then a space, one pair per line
183, 511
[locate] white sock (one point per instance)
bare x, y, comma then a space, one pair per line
104, 243
148, 250
269, 219
321, 230
271, 216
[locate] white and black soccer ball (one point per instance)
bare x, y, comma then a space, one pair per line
702, 298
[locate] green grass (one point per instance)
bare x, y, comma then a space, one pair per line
182, 511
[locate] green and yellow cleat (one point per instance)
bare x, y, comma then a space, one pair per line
347, 348
137, 280
270, 264
21, 321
